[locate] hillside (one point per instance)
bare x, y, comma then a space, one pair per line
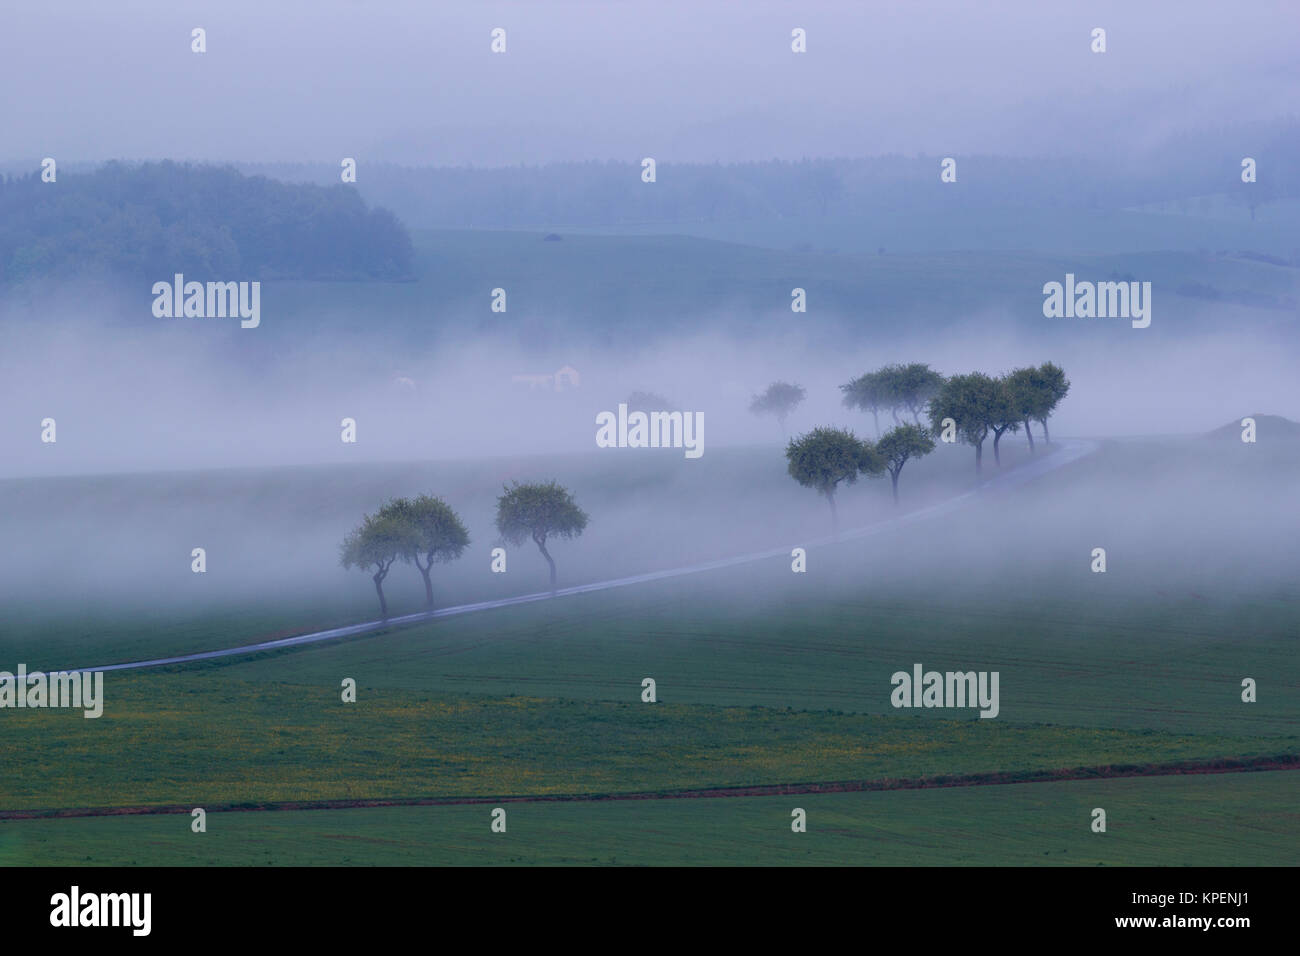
151, 220
1270, 426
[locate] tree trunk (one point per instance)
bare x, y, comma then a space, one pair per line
917, 415
997, 456
979, 459
1030, 435
876, 416
897, 420
426, 572
835, 518
379, 589
541, 544
893, 475
1047, 436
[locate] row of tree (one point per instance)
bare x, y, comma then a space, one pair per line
979, 405
826, 457
970, 407
894, 388
426, 530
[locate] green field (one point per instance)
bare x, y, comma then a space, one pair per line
570, 291
763, 677
1225, 820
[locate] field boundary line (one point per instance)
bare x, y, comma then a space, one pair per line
1221, 765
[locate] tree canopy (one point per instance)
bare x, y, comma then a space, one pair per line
868, 392
1004, 413
439, 534
825, 457
912, 386
900, 445
539, 511
151, 220
1035, 393
780, 399
970, 401
376, 543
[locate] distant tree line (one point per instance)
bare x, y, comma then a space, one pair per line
610, 192
150, 220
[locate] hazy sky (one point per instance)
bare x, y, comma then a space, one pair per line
414, 81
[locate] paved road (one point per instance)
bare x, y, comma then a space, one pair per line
1067, 451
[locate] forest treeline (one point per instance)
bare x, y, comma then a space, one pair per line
150, 220
610, 193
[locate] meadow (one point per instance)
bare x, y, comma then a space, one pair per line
763, 677
1207, 820
620, 290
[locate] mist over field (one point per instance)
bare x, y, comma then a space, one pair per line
191, 435
190, 449
272, 275
141, 398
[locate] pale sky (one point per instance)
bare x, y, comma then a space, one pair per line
415, 82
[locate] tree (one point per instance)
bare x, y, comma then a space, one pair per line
1028, 398
1054, 387
867, 393
894, 387
439, 534
969, 401
539, 511
899, 446
780, 399
1004, 415
377, 542
827, 456
914, 385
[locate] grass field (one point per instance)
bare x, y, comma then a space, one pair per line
1226, 820
763, 677
654, 284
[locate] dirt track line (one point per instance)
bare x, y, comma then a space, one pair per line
997, 778
1067, 451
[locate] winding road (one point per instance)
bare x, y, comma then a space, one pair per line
1066, 452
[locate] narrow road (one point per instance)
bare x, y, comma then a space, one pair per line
1066, 452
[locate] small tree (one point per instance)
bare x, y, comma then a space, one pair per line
826, 456
899, 446
914, 385
539, 511
1004, 414
1027, 398
1054, 387
376, 543
969, 400
780, 399
439, 534
867, 393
